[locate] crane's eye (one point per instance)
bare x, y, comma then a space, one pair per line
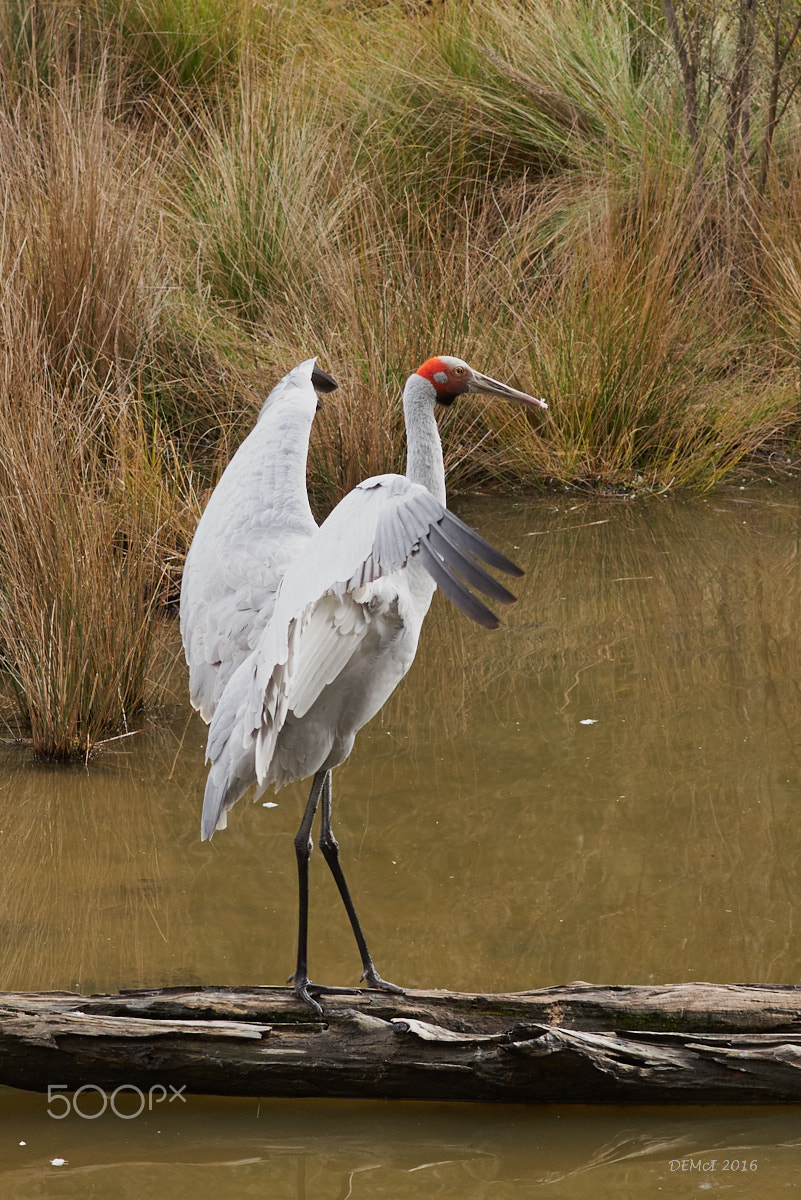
458, 370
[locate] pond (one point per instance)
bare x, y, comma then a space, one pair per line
605, 789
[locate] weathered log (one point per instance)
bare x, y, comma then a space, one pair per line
689, 1043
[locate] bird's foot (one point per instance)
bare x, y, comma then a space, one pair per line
374, 980
302, 992
307, 991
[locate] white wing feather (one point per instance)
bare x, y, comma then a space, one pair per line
328, 604
342, 634
256, 523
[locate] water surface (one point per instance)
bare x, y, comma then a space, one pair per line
605, 789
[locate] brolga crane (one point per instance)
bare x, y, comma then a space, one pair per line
295, 634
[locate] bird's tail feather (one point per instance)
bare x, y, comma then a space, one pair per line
231, 774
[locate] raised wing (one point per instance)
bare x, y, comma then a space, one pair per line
257, 520
346, 595
377, 528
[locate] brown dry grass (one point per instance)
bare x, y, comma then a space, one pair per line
197, 196
84, 534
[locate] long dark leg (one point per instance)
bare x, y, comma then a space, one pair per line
302, 985
330, 849
303, 849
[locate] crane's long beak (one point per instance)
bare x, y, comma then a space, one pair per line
492, 387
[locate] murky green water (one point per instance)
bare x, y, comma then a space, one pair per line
607, 789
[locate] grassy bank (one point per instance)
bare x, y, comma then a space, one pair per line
198, 194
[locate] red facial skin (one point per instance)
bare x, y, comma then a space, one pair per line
448, 381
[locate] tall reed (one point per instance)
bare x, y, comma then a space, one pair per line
83, 502
77, 599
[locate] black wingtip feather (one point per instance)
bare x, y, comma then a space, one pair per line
455, 590
468, 568
475, 544
322, 381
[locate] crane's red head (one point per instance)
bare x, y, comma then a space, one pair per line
450, 377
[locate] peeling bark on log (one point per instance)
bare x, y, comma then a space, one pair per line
689, 1043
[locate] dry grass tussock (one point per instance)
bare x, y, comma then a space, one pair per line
196, 196
88, 515
76, 600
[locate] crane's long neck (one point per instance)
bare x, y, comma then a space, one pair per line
424, 462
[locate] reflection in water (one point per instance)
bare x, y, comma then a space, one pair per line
306, 1150
606, 789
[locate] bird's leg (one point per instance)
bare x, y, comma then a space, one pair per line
330, 849
303, 849
302, 985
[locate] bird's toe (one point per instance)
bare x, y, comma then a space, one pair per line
303, 990
374, 980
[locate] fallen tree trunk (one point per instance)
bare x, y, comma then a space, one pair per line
691, 1043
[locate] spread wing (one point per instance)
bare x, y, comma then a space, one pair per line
257, 520
343, 595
